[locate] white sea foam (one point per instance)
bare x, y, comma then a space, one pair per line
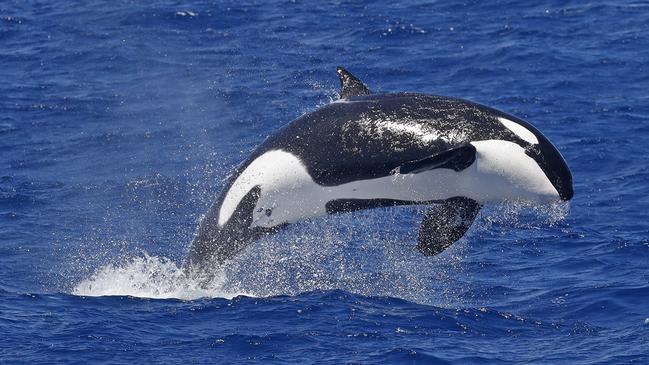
334, 252
186, 13
150, 277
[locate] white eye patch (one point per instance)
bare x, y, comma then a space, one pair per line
522, 132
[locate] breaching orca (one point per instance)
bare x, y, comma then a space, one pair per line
374, 150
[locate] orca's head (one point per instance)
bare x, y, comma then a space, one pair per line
553, 165
546, 155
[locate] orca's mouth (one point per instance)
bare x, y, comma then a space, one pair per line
566, 192
554, 167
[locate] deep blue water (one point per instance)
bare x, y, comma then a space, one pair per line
119, 122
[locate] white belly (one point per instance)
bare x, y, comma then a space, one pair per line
502, 171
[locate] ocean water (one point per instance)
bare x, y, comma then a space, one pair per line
120, 121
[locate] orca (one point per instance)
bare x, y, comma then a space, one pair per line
370, 150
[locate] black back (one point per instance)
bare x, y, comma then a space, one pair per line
367, 136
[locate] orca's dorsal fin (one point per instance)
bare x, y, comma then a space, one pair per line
350, 85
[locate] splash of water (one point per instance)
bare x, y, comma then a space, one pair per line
525, 215
150, 277
335, 252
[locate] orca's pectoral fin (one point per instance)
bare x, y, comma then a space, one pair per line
446, 223
457, 158
350, 85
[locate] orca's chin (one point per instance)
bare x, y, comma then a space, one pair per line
563, 184
566, 194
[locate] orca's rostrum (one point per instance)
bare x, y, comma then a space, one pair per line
375, 150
